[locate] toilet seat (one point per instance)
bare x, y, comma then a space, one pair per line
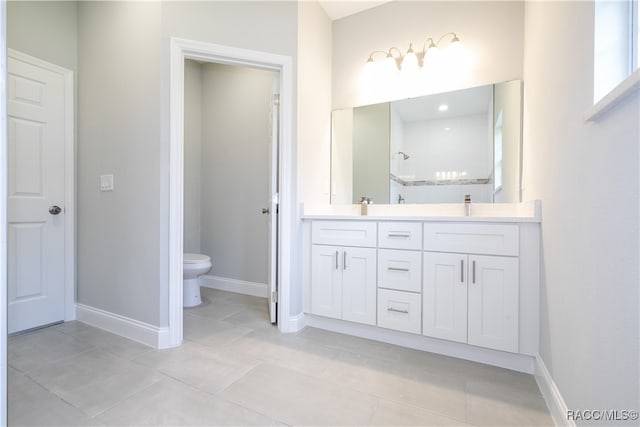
189, 258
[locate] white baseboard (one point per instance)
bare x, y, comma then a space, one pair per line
552, 397
293, 323
234, 285
516, 362
150, 335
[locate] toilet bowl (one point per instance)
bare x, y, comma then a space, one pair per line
193, 266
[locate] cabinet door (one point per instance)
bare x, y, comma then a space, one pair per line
326, 281
444, 296
493, 302
359, 285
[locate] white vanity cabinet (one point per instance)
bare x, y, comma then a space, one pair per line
343, 278
472, 298
460, 287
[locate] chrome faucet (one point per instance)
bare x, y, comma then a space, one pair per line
467, 205
400, 199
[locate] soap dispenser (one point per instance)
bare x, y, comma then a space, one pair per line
467, 205
364, 205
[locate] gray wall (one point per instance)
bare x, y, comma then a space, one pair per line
227, 136
44, 29
124, 129
236, 105
263, 26
371, 133
192, 155
119, 51
586, 174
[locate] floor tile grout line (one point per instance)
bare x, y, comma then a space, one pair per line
51, 362
129, 396
278, 359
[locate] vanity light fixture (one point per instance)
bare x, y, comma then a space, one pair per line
413, 60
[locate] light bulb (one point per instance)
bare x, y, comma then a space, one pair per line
432, 56
389, 67
456, 52
368, 77
410, 62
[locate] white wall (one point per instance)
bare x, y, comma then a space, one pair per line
462, 148
236, 105
119, 235
491, 32
586, 174
192, 155
508, 100
314, 103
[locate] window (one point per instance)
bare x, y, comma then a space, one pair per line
616, 74
616, 44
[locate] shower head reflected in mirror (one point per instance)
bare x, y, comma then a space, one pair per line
405, 156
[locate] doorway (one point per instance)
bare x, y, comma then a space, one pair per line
40, 220
180, 51
230, 176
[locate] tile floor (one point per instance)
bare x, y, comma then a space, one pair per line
234, 368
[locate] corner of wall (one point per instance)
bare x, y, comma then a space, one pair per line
551, 394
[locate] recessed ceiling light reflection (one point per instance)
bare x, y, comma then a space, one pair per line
443, 107
447, 129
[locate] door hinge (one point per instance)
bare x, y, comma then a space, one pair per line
274, 296
276, 99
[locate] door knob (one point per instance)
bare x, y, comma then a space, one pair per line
54, 210
265, 210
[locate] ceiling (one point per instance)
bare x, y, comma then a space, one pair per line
461, 103
337, 9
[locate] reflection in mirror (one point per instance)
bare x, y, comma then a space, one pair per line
431, 149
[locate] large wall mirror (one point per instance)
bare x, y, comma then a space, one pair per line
431, 149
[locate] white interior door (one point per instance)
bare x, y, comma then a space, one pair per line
36, 195
274, 200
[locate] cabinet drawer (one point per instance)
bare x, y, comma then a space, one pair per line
399, 310
400, 235
344, 233
400, 270
489, 239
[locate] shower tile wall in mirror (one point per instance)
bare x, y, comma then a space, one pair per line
430, 149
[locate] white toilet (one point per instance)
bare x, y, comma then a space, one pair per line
193, 266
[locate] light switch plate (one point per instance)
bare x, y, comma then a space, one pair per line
106, 182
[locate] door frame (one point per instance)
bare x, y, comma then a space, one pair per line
181, 49
4, 175
69, 176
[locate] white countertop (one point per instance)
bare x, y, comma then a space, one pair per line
454, 212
